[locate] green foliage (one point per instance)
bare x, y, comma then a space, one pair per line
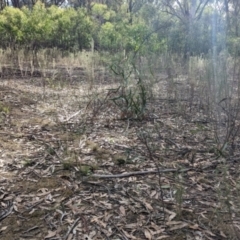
45, 27
101, 12
4, 109
234, 45
138, 38
130, 97
73, 30
12, 21
143, 27
109, 37
38, 27
122, 31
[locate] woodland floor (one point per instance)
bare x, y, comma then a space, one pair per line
51, 147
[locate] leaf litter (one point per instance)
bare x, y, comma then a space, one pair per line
71, 174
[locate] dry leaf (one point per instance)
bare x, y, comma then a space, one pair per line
222, 234
173, 223
183, 225
131, 226
3, 228
147, 234
18, 199
15, 208
172, 216
195, 226
130, 236
162, 237
50, 234
101, 223
122, 211
153, 193
87, 237
70, 236
148, 206
210, 233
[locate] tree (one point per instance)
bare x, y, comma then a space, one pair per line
187, 14
45, 27
12, 21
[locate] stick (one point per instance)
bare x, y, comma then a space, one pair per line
123, 175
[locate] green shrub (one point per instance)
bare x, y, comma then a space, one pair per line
45, 27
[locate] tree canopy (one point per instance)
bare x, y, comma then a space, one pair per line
188, 27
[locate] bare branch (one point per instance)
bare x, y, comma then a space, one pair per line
201, 11
173, 11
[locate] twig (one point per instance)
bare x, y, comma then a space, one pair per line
71, 228
158, 171
140, 173
31, 229
6, 212
120, 231
63, 214
160, 187
72, 116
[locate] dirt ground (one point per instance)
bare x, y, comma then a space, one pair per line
73, 168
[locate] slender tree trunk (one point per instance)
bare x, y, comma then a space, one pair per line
16, 3
130, 9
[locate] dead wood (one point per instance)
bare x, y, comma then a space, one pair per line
123, 175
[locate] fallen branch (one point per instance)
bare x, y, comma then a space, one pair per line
123, 175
